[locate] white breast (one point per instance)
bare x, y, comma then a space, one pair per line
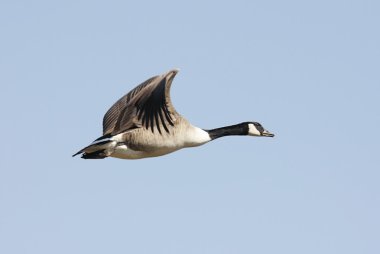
195, 136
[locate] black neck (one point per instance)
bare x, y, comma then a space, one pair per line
238, 129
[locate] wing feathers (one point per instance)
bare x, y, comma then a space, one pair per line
147, 106
113, 114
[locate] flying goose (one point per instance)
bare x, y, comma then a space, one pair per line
144, 123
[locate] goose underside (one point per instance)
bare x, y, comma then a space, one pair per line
124, 152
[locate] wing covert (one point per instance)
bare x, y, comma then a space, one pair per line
112, 115
148, 106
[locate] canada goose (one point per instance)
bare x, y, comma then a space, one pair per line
144, 123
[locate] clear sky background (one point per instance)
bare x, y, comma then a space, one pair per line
309, 71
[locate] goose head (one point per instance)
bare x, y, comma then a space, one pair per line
257, 130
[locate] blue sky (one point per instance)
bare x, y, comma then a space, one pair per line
307, 70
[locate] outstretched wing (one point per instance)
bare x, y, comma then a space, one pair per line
112, 115
147, 106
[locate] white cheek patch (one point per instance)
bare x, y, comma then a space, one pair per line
252, 131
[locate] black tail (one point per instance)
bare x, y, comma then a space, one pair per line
95, 155
97, 150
